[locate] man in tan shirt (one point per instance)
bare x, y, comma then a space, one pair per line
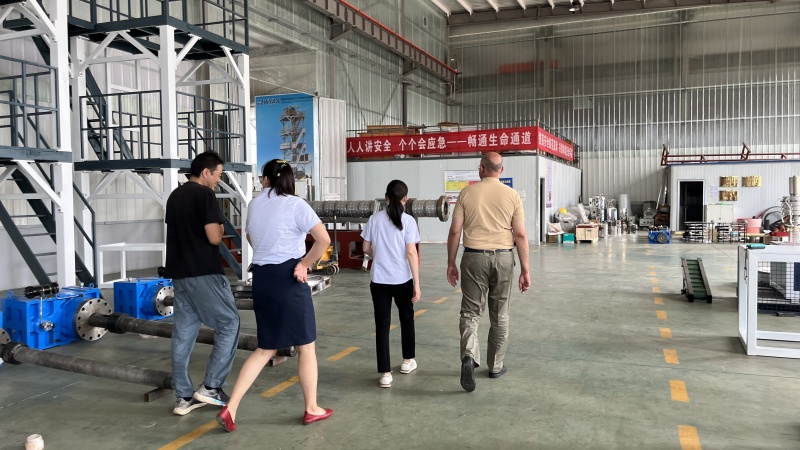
491, 217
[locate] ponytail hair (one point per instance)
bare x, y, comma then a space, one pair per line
280, 176
395, 192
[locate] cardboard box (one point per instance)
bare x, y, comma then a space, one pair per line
554, 238
587, 232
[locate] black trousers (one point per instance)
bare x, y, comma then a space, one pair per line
382, 295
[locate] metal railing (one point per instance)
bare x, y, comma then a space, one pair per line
225, 18
28, 104
744, 156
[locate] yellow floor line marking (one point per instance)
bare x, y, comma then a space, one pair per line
419, 313
343, 353
661, 315
651, 267
678, 389
191, 436
281, 387
656, 289
441, 300
654, 280
689, 438
671, 356
658, 300
457, 291
651, 273
666, 333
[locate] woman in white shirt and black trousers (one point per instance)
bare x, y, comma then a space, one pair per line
390, 238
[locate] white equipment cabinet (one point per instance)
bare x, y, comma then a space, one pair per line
719, 213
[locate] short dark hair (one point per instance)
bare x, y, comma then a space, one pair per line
280, 176
206, 160
490, 165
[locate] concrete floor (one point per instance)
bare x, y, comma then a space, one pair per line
587, 370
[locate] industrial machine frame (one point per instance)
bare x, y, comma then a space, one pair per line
747, 293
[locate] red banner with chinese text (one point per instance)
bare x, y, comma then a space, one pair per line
496, 140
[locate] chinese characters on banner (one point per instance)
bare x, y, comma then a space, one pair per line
501, 139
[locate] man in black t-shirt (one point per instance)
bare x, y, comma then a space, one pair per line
202, 291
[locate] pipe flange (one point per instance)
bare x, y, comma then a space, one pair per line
4, 337
7, 352
443, 209
81, 319
158, 302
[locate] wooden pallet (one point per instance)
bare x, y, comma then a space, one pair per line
588, 241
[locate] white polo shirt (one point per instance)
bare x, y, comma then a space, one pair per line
389, 264
277, 226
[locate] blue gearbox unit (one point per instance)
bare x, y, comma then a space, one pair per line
658, 236
4, 338
47, 322
144, 298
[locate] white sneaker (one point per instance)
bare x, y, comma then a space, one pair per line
386, 381
408, 367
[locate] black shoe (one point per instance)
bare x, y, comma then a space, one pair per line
468, 373
499, 374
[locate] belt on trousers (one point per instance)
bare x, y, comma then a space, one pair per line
486, 252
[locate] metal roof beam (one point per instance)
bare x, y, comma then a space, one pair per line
592, 9
342, 12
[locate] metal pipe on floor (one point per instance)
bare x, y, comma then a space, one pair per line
18, 353
122, 323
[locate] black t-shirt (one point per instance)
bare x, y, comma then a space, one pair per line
189, 254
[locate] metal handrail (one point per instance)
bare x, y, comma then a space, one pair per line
744, 156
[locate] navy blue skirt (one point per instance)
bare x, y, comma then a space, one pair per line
283, 307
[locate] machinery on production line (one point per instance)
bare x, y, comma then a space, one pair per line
659, 235
347, 250
46, 322
614, 220
80, 314
144, 298
50, 317
790, 206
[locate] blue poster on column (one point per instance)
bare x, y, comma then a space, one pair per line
285, 130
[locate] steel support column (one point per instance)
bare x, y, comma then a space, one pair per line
62, 172
78, 83
168, 66
250, 155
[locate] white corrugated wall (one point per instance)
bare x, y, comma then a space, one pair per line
426, 180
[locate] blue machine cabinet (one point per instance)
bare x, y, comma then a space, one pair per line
47, 322
658, 236
144, 298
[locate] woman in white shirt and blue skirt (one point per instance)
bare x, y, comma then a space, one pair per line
390, 238
277, 224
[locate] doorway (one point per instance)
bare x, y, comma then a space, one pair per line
690, 202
